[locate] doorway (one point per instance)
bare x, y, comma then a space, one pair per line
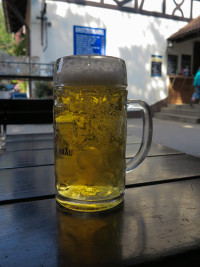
196, 57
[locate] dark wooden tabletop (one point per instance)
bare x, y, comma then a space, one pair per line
158, 224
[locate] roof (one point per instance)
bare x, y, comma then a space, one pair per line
13, 11
191, 30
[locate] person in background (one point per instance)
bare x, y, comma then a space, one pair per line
196, 95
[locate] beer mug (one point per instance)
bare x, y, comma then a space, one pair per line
90, 128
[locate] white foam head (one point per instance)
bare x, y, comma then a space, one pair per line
90, 70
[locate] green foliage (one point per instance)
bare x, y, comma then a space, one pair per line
7, 41
20, 49
43, 89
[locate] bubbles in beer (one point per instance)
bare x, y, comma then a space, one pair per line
90, 128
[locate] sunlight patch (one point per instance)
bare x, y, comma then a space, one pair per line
187, 126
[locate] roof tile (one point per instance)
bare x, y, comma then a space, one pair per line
189, 29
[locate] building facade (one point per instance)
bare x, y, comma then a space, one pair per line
135, 30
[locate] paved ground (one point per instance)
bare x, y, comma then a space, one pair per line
181, 136
184, 137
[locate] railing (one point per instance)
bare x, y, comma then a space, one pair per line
19, 70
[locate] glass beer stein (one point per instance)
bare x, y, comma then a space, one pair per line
90, 128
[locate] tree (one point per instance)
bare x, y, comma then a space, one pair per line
43, 89
7, 40
13, 44
20, 44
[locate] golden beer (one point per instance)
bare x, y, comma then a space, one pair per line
90, 117
90, 141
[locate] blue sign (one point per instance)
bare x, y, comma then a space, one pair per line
89, 41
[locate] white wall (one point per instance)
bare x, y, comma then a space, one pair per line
132, 37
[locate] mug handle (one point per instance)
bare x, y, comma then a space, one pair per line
146, 136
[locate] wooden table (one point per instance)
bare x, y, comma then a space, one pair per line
158, 225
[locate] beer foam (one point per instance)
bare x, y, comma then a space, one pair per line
90, 70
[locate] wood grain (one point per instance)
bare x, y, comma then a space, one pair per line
26, 183
164, 169
40, 152
29, 145
28, 158
158, 225
34, 182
